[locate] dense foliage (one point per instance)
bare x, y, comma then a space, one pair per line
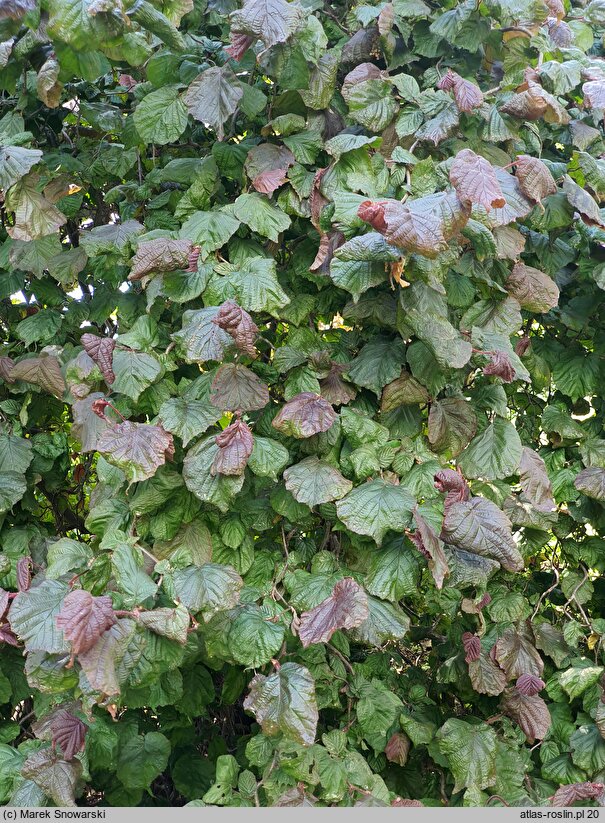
302, 466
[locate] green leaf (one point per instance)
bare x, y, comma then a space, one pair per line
313, 482
285, 702
161, 116
218, 489
471, 753
32, 617
254, 638
493, 454
207, 589
376, 507
260, 215
142, 758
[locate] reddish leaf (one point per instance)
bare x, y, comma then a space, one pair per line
127, 81
235, 447
500, 366
398, 748
100, 349
474, 178
43, 371
267, 165
238, 323
334, 389
454, 485
570, 794
8, 636
534, 481
159, 255
194, 256
556, 7
428, 542
516, 653
486, 676
6, 367
236, 388
472, 646
529, 684
467, 95
345, 608
85, 618
534, 290
534, 178
327, 246
406, 803
24, 573
522, 346
68, 732
316, 199
448, 81
530, 713
560, 33
305, 415
594, 94
240, 43
423, 226
137, 448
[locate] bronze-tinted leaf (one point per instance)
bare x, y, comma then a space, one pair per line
68, 732
345, 608
475, 181
534, 480
427, 541
560, 33
530, 713
56, 777
24, 573
137, 448
15, 9
328, 244
534, 290
423, 226
517, 655
533, 103
43, 371
479, 526
452, 425
240, 43
534, 178
159, 255
472, 647
594, 94
267, 165
570, 794
404, 391
467, 95
556, 8
529, 684
85, 618
500, 366
486, 676
100, 349
238, 323
336, 390
6, 368
591, 482
236, 388
235, 446
453, 484
398, 748
305, 415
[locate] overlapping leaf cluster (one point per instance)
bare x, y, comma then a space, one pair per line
302, 465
